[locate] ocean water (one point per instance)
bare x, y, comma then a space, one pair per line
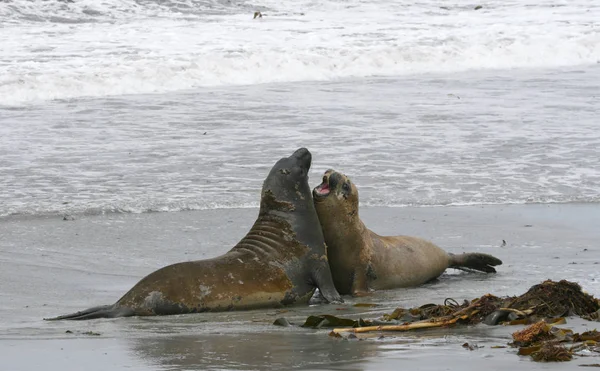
136, 106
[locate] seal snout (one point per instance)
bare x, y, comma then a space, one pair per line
304, 157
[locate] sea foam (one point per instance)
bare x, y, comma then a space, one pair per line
55, 50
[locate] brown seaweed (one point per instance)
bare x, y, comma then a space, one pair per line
544, 306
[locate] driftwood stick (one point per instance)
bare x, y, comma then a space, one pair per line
440, 322
408, 327
522, 313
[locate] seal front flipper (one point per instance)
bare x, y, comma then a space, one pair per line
323, 280
103, 311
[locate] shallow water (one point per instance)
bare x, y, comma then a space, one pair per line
182, 104
469, 138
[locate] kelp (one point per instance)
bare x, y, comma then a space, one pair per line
552, 352
327, 320
544, 306
549, 300
556, 299
545, 342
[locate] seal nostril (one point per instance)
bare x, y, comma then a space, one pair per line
304, 157
301, 152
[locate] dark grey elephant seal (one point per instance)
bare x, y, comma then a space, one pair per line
279, 262
361, 260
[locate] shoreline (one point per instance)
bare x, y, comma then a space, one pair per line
105, 213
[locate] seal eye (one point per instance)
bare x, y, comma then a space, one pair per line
345, 187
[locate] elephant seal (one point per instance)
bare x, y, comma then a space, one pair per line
281, 260
361, 260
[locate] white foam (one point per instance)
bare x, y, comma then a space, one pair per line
125, 48
490, 134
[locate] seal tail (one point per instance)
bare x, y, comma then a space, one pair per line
103, 311
474, 262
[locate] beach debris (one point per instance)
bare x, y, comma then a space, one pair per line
545, 342
478, 7
257, 15
551, 352
327, 320
592, 316
543, 307
471, 346
453, 96
503, 243
549, 300
68, 217
89, 333
536, 333
556, 299
282, 322
365, 305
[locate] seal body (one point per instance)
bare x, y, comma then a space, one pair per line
281, 261
362, 260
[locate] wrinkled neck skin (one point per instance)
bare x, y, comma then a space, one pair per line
341, 232
304, 245
344, 236
299, 212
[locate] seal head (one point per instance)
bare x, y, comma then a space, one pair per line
286, 186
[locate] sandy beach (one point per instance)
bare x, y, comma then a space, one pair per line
51, 266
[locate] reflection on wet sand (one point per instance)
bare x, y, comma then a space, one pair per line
256, 351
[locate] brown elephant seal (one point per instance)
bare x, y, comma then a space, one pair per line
361, 260
279, 262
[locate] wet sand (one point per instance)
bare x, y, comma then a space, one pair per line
51, 266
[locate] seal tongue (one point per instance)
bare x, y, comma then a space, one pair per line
323, 189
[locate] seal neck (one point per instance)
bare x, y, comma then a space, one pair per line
343, 236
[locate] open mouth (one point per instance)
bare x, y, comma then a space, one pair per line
322, 189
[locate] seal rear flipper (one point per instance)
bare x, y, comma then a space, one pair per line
474, 262
103, 311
